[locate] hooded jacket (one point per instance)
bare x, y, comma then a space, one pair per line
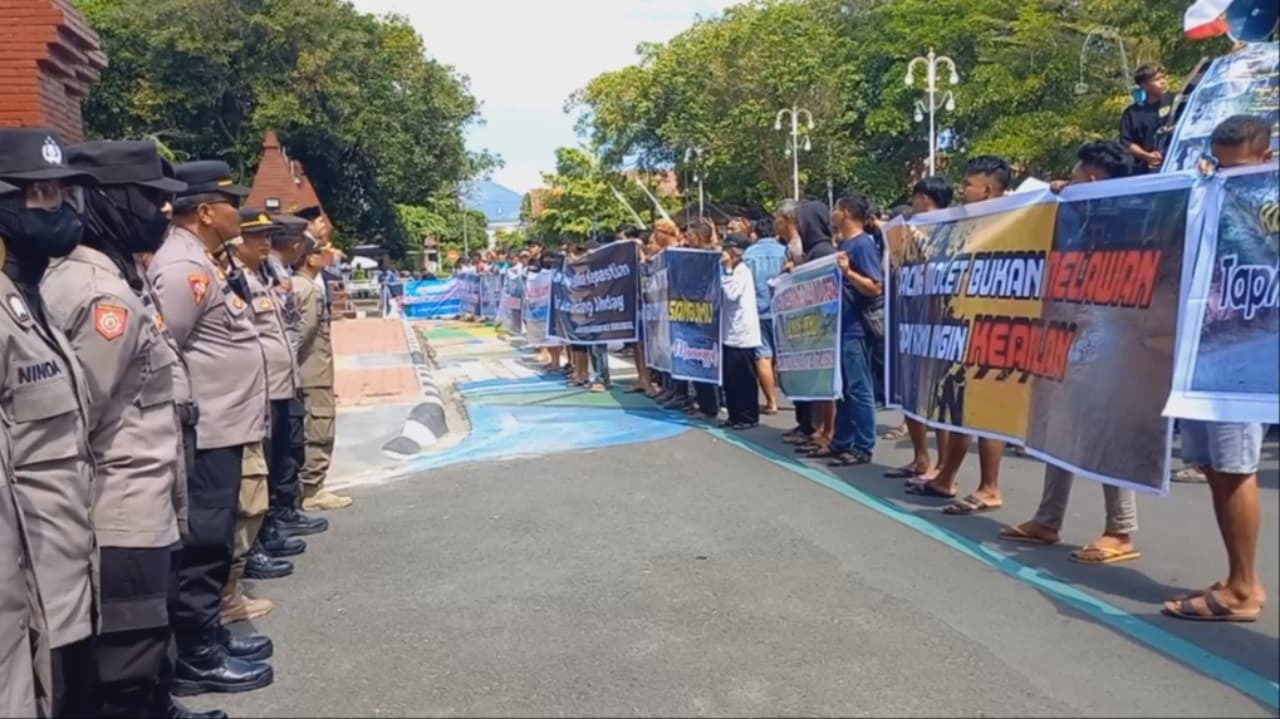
815, 230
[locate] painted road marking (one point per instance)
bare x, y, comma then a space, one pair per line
1171, 645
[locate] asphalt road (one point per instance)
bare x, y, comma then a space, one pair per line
694, 576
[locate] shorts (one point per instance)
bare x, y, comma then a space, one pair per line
765, 350
1228, 447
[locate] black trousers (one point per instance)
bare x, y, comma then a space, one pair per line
282, 470
804, 418
297, 441
708, 396
131, 649
75, 680
213, 493
740, 391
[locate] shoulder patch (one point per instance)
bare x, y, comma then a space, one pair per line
110, 320
199, 282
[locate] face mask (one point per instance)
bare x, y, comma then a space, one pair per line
151, 233
38, 233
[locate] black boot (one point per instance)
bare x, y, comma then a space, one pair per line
276, 543
260, 565
250, 647
206, 667
296, 524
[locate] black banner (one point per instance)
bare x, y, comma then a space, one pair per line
594, 298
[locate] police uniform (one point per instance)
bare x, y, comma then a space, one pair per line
214, 331
133, 431
25, 679
42, 396
315, 359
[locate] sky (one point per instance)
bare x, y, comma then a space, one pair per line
525, 58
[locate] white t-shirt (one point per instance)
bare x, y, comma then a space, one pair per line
741, 320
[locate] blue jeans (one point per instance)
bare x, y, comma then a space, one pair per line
856, 410
599, 364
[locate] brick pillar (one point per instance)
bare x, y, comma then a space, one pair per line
49, 58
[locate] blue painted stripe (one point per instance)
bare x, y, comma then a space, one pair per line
1224, 670
551, 379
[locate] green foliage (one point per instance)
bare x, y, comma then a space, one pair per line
720, 84
579, 199
442, 220
375, 121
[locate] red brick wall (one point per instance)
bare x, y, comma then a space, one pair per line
49, 58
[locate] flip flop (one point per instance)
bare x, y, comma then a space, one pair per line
899, 432
767, 411
972, 504
906, 471
1017, 534
1093, 554
926, 489
822, 452
848, 459
807, 447
1218, 612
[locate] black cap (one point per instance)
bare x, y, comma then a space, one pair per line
253, 220
208, 176
131, 162
310, 212
33, 154
290, 225
6, 188
737, 240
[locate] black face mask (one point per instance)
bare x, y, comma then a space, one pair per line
146, 224
39, 234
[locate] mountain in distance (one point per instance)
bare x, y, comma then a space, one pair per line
498, 203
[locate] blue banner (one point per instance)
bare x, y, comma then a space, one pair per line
509, 313
469, 291
536, 311
693, 311
490, 295
431, 298
657, 328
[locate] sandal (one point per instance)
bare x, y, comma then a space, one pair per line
848, 459
906, 471
769, 411
928, 489
822, 452
808, 447
1017, 534
1093, 554
1217, 611
972, 504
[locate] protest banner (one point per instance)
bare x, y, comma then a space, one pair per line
693, 314
490, 295
423, 299
594, 298
469, 290
1229, 339
657, 328
537, 308
512, 299
806, 330
1045, 320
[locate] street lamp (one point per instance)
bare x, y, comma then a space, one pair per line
933, 101
696, 152
793, 145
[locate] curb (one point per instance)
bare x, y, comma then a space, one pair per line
426, 423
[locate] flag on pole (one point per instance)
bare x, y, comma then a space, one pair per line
1205, 19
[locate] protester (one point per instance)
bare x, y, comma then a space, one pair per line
52, 461
1228, 452
786, 225
1098, 160
986, 177
861, 332
740, 334
931, 193
765, 257
813, 220
1143, 128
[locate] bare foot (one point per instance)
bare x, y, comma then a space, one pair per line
1031, 532
1259, 594
1221, 605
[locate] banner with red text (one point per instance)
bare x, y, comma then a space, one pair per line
1045, 320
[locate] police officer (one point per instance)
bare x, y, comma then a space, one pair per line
94, 295
24, 635
288, 245
43, 397
212, 327
315, 358
251, 249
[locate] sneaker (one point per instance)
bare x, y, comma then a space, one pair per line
324, 499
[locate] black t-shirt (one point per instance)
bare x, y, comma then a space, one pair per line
1142, 124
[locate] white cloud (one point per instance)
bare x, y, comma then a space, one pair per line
524, 59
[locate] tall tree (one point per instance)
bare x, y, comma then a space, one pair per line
375, 121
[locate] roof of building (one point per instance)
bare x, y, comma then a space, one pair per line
281, 184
